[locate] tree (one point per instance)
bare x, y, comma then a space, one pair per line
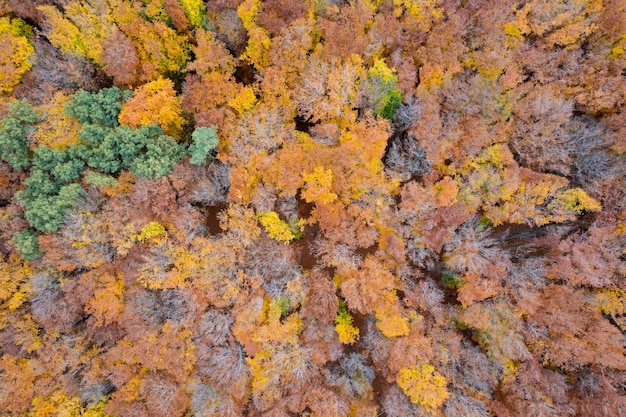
329, 90
45, 212
353, 376
105, 146
109, 147
53, 71
56, 130
559, 25
80, 29
279, 229
161, 50
347, 333
380, 90
346, 31
497, 328
15, 37
63, 166
211, 55
540, 135
120, 58
13, 142
195, 11
204, 141
163, 396
26, 244
154, 102
424, 386
100, 108
160, 154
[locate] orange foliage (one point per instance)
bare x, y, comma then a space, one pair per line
155, 102
414, 207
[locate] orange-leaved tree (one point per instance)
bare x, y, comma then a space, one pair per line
155, 102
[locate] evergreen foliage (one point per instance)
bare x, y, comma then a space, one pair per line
204, 141
13, 134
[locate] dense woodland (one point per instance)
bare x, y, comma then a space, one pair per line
313, 208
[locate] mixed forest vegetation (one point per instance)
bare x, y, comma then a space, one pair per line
316, 208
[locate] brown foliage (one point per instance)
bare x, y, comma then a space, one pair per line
276, 15
344, 29
120, 59
163, 397
177, 14
570, 334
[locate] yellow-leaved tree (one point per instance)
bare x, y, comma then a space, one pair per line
424, 386
17, 50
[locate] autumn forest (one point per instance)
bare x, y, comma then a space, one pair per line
317, 208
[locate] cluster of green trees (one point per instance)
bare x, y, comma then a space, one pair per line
105, 147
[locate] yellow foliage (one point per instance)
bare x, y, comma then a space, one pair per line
381, 71
611, 302
259, 379
57, 130
241, 223
244, 100
619, 48
318, 186
155, 9
154, 231
347, 333
424, 386
573, 25
130, 391
261, 374
426, 12
63, 33
431, 75
14, 284
576, 200
520, 27
248, 11
497, 155
17, 50
274, 364
15, 27
124, 185
485, 66
155, 102
274, 329
60, 404
510, 367
279, 229
492, 182
511, 29
27, 333
81, 30
257, 51
96, 410
195, 11
160, 49
94, 23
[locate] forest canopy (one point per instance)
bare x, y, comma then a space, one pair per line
318, 208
